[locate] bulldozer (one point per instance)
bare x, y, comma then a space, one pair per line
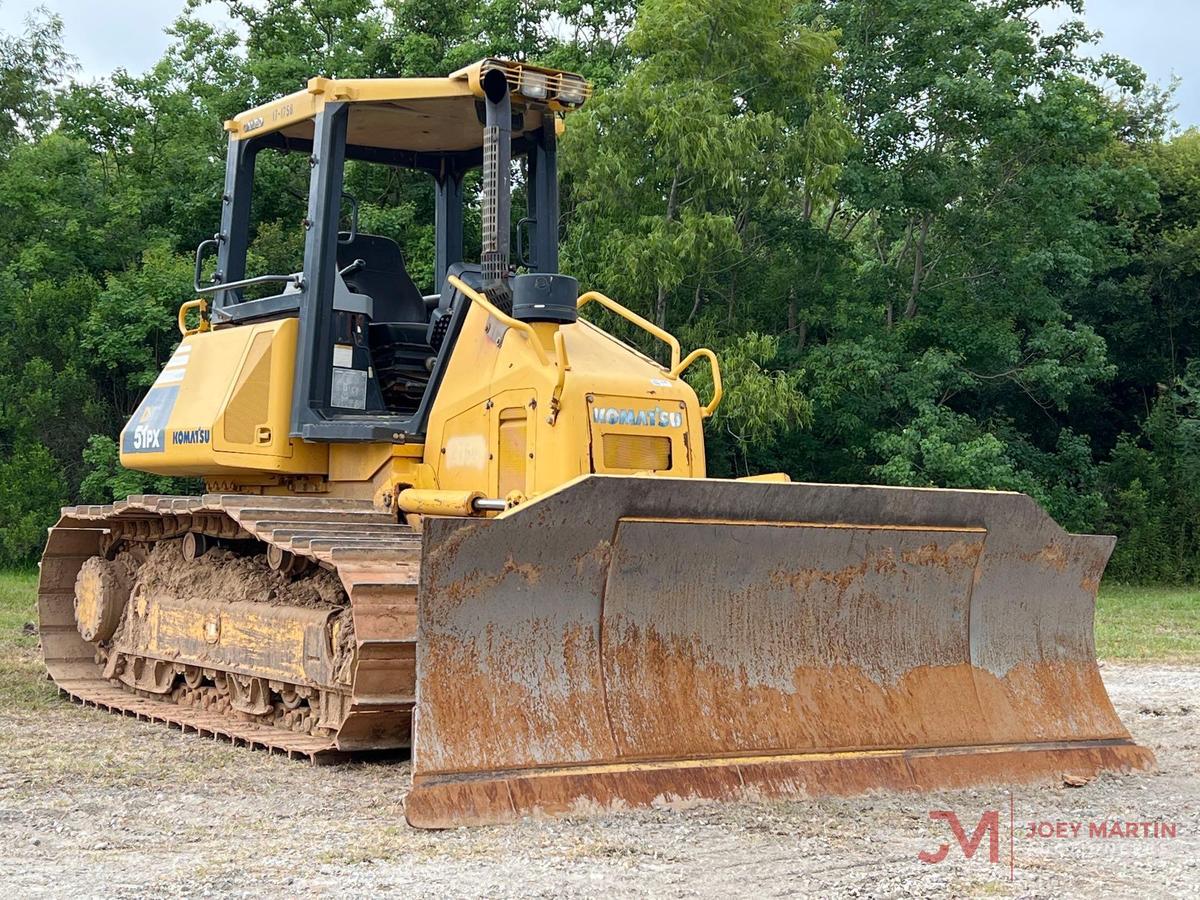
475, 526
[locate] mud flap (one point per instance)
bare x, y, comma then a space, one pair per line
628, 642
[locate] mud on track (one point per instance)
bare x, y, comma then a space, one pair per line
96, 805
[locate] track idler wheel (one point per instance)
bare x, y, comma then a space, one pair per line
101, 592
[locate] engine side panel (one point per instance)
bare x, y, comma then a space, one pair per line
221, 406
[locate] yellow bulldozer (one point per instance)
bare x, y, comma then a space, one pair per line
475, 524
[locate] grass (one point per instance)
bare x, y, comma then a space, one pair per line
1148, 623
1132, 623
17, 603
22, 679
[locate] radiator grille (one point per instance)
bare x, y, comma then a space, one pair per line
637, 452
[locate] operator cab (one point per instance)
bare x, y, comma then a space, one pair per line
372, 344
402, 358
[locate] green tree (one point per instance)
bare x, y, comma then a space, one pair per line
675, 174
31, 64
984, 197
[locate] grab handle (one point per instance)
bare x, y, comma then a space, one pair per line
630, 316
506, 320
201, 306
718, 391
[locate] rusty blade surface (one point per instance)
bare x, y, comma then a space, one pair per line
641, 641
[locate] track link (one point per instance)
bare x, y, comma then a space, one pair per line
377, 560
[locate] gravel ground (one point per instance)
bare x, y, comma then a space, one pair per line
95, 805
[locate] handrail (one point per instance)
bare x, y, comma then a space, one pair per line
564, 365
677, 368
201, 305
630, 316
508, 321
296, 278
214, 241
718, 391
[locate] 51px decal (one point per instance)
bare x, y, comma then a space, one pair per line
146, 431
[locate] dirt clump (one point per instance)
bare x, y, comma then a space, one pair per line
229, 576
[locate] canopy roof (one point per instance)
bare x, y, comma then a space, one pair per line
416, 115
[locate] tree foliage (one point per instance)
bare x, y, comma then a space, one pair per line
933, 242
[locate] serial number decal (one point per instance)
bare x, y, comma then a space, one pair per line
278, 113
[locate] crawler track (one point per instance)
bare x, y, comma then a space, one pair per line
377, 560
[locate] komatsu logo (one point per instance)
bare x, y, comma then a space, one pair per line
195, 436
647, 418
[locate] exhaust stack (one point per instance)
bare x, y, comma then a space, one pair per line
497, 190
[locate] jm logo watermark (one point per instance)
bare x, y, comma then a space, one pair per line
987, 832
988, 827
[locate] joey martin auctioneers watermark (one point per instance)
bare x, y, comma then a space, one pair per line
989, 829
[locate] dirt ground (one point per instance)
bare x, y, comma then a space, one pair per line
92, 804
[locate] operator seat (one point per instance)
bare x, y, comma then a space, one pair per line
396, 331
407, 355
382, 276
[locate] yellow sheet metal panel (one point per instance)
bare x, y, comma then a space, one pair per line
416, 109
180, 428
358, 462
303, 105
560, 432
428, 125
248, 407
630, 435
275, 115
466, 455
513, 450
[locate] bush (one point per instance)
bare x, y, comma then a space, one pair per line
32, 490
107, 480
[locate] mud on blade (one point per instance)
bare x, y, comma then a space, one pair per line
630, 642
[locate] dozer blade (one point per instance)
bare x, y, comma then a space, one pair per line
627, 642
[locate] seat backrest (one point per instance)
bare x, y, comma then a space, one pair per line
382, 277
